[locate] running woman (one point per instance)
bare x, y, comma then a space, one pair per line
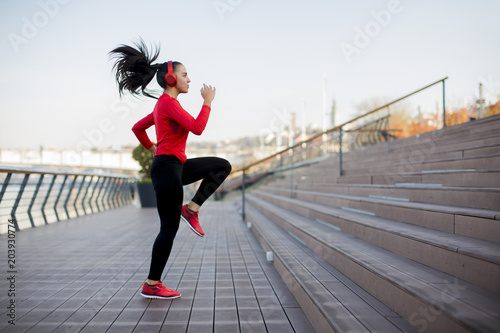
171, 169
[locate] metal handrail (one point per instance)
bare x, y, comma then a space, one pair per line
54, 172
340, 129
72, 196
336, 128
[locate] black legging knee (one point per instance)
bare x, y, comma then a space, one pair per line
169, 175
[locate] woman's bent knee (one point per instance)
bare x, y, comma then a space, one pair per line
228, 167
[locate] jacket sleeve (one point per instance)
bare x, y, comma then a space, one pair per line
181, 116
140, 128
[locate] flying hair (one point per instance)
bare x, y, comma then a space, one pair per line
133, 67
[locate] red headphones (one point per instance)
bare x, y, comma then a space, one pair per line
170, 77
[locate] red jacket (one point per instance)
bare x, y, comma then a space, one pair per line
172, 125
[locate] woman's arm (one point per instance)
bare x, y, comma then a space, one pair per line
181, 116
140, 128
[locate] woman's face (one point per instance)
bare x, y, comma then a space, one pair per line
182, 79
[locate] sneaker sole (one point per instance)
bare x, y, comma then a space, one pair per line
191, 227
159, 297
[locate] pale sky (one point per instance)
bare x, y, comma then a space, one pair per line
264, 57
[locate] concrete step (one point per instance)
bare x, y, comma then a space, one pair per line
419, 154
430, 300
427, 145
418, 148
483, 162
469, 129
433, 193
453, 178
471, 259
393, 163
434, 140
493, 149
478, 223
331, 301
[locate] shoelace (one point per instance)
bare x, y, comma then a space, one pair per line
190, 212
162, 287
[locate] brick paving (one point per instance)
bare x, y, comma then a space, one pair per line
85, 274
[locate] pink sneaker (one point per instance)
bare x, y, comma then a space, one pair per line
191, 218
158, 291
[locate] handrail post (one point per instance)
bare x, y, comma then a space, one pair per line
444, 106
78, 194
96, 184
4, 186
116, 188
388, 129
127, 194
115, 197
47, 198
243, 196
104, 179
85, 195
33, 198
69, 195
18, 199
59, 196
111, 190
291, 177
340, 151
118, 191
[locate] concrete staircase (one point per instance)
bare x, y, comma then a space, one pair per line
407, 240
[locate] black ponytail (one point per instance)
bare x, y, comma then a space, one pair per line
134, 68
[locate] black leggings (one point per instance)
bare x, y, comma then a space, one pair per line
169, 175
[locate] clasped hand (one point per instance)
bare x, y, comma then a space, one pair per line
208, 94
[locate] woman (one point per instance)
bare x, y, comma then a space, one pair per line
170, 169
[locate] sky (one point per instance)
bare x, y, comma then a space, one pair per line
266, 59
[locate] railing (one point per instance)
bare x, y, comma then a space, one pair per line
30, 197
324, 144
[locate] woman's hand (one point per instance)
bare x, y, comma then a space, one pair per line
208, 94
153, 149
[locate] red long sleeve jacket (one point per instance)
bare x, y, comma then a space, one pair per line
172, 125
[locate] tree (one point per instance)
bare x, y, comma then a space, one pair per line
494, 109
455, 117
145, 159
